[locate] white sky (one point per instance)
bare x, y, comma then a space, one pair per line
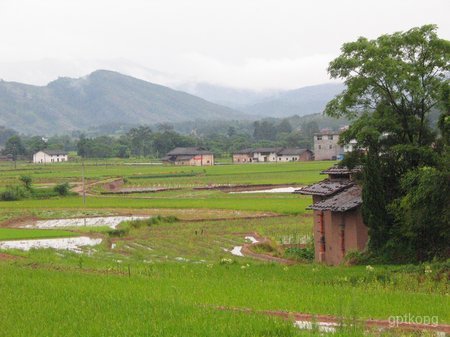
256, 44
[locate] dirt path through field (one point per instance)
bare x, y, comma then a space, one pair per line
331, 323
78, 188
255, 238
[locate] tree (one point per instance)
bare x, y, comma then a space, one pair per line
62, 189
27, 181
82, 146
231, 131
404, 72
423, 213
140, 140
284, 126
392, 84
264, 130
309, 129
35, 144
5, 134
14, 147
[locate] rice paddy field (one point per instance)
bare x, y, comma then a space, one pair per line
174, 272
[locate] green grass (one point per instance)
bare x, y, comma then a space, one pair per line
180, 300
18, 234
286, 204
301, 173
166, 279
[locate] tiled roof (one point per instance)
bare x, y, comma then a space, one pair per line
326, 187
55, 152
327, 132
179, 151
341, 202
278, 150
292, 151
245, 151
340, 170
268, 149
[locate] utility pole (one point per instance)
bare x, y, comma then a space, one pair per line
83, 180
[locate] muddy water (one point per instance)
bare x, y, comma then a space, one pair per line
237, 251
272, 190
110, 221
72, 244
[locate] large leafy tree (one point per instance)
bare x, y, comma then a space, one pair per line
392, 85
404, 73
140, 140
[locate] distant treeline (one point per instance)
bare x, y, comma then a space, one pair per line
155, 142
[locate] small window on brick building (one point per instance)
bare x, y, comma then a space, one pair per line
319, 137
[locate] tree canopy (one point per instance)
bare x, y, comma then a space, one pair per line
392, 85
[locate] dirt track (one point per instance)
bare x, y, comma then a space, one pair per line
247, 252
369, 324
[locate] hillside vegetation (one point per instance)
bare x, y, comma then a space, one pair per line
99, 98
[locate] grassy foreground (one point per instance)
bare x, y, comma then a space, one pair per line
168, 279
181, 300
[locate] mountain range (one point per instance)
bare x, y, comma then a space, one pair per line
102, 97
107, 97
269, 103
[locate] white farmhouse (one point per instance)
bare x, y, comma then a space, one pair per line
50, 156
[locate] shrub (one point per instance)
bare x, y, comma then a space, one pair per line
62, 189
26, 180
13, 193
117, 232
156, 220
267, 247
303, 254
264, 247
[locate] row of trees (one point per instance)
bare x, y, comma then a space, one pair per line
18, 146
393, 83
142, 141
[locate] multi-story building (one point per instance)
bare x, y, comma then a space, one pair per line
326, 146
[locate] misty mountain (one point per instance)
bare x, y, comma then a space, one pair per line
100, 98
302, 101
231, 97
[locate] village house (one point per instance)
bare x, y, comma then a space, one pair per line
189, 156
266, 154
295, 154
278, 154
50, 156
338, 224
243, 156
326, 146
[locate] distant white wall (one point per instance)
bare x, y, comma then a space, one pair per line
42, 157
265, 157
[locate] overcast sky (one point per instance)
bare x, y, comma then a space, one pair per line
256, 44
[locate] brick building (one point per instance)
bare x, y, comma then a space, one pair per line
189, 156
338, 223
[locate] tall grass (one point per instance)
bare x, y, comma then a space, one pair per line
181, 300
